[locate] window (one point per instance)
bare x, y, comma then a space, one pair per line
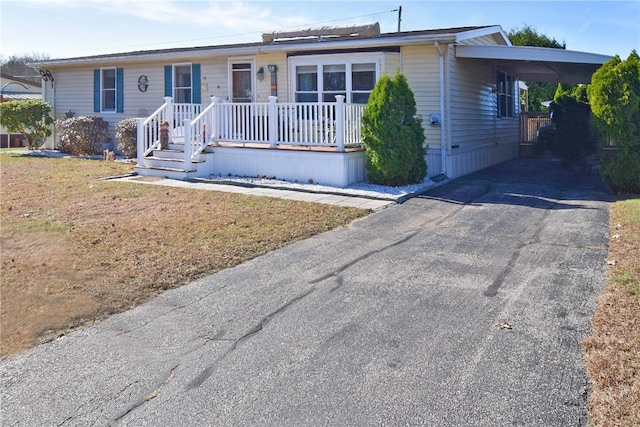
182, 84
506, 101
307, 83
108, 90
363, 78
334, 82
323, 81
108, 95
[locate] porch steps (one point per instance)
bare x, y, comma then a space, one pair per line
169, 163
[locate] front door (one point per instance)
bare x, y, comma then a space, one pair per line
242, 82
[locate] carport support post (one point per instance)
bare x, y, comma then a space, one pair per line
272, 121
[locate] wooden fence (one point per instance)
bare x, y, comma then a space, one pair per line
530, 124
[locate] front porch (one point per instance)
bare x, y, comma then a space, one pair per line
305, 142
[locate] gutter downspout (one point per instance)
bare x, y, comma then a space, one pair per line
443, 137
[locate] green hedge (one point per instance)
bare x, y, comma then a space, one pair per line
614, 94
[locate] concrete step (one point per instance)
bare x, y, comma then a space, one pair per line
164, 162
164, 172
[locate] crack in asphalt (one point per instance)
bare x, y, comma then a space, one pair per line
208, 371
149, 396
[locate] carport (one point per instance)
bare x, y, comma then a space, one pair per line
536, 64
539, 64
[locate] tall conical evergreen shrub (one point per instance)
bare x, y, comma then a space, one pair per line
393, 134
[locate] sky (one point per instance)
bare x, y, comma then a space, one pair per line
76, 28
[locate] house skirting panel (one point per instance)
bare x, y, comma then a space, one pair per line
434, 162
333, 169
466, 161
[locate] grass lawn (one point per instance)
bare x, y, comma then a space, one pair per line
76, 248
612, 353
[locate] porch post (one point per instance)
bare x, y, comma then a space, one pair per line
340, 122
188, 144
272, 121
140, 142
214, 120
169, 111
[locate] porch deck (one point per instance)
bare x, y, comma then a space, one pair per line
318, 142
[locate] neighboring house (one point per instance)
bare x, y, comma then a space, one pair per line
270, 108
12, 89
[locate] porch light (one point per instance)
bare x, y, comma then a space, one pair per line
260, 74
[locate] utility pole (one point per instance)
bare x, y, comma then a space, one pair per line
399, 17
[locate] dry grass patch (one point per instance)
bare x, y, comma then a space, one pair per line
76, 248
612, 353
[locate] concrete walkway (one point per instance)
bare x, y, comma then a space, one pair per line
334, 198
464, 306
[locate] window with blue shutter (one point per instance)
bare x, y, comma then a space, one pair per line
195, 82
108, 90
96, 90
119, 90
182, 83
168, 80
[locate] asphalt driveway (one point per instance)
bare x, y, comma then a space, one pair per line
461, 307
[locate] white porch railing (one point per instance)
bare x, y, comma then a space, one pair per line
149, 128
270, 123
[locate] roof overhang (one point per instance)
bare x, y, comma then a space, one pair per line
538, 64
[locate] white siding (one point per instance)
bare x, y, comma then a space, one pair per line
478, 137
391, 63
420, 65
264, 87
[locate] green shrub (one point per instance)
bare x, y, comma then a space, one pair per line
573, 136
545, 138
620, 170
393, 135
615, 103
82, 135
127, 137
31, 118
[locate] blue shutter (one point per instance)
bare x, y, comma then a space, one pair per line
195, 83
96, 91
168, 80
119, 90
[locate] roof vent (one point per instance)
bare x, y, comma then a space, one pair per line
323, 33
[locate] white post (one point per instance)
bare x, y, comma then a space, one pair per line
140, 142
188, 144
272, 121
340, 122
169, 112
214, 120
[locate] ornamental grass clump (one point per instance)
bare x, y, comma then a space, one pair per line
393, 134
82, 135
126, 135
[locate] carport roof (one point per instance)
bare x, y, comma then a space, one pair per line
539, 64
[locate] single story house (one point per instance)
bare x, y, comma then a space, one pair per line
14, 88
290, 105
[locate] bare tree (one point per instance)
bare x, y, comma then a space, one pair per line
16, 66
